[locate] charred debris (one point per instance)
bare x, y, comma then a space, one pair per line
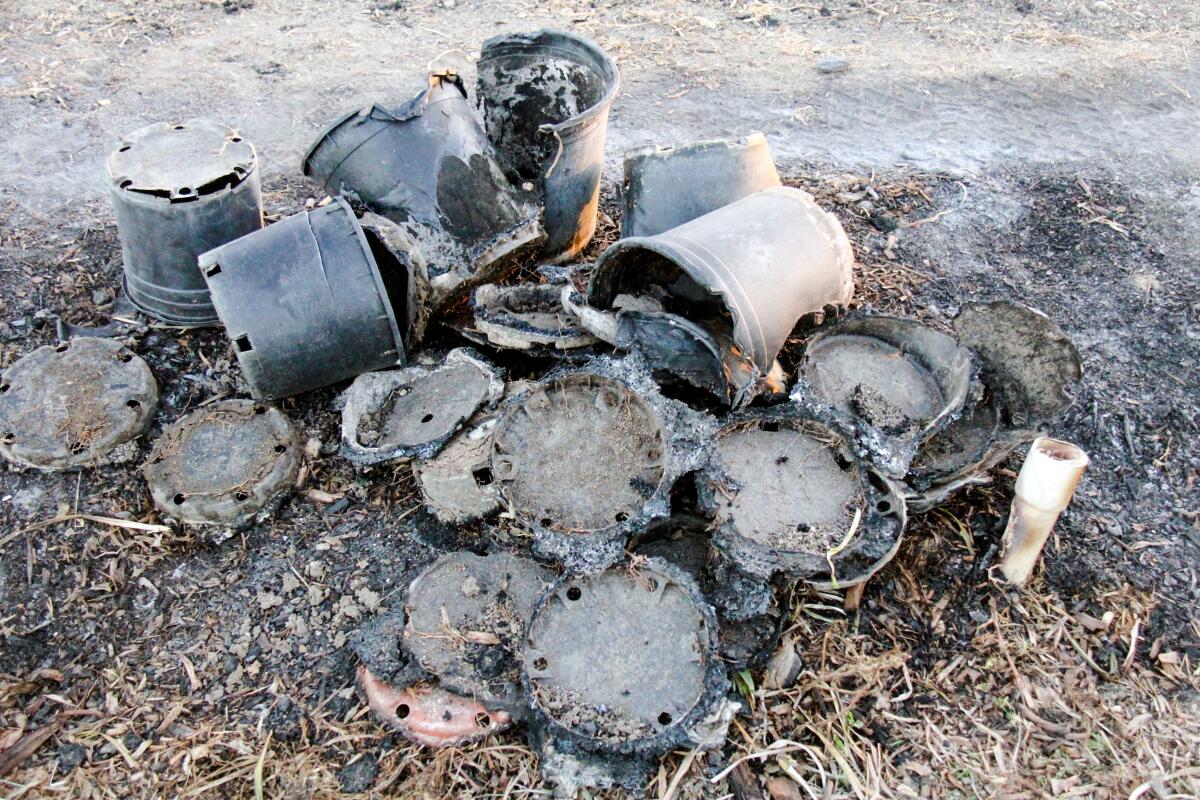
637, 491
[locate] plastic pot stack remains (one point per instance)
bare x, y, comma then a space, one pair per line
177, 191
545, 98
308, 301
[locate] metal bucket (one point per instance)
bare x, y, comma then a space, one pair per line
546, 97
428, 167
668, 186
308, 301
755, 266
177, 191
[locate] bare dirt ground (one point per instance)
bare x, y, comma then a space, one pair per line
1026, 149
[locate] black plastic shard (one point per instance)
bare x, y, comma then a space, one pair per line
624, 661
892, 381
179, 190
224, 465
306, 302
413, 412
668, 186
467, 615
428, 167
525, 317
74, 404
789, 496
546, 97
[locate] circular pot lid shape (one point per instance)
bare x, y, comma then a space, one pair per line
580, 454
466, 616
223, 464
625, 660
413, 412
81, 402
792, 498
180, 162
894, 380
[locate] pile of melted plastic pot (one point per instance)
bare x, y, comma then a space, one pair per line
637, 503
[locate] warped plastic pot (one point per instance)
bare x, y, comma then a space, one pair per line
668, 186
546, 97
306, 301
747, 272
177, 191
428, 167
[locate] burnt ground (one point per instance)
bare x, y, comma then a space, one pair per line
1033, 151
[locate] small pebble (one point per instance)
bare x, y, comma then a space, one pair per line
833, 64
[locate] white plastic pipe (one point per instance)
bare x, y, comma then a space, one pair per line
1045, 485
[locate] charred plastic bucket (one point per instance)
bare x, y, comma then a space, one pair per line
178, 191
546, 97
427, 165
756, 266
308, 301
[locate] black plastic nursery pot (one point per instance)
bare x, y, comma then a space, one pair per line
179, 190
308, 301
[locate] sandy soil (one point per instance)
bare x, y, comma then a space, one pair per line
1035, 150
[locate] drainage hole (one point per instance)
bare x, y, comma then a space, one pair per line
483, 476
482, 719
185, 191
260, 409
235, 139
125, 357
402, 710
126, 184
178, 127
243, 344
883, 506
540, 665
125, 149
842, 462
664, 719
3, 388
134, 404
803, 527
281, 448
180, 499
427, 418
769, 427
215, 269
621, 516
547, 522
241, 497
62, 348
9, 438
573, 593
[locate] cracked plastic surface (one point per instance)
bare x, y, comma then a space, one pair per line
430, 715
74, 404
526, 316
224, 465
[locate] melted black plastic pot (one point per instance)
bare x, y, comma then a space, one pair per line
428, 167
745, 274
177, 191
546, 97
308, 301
